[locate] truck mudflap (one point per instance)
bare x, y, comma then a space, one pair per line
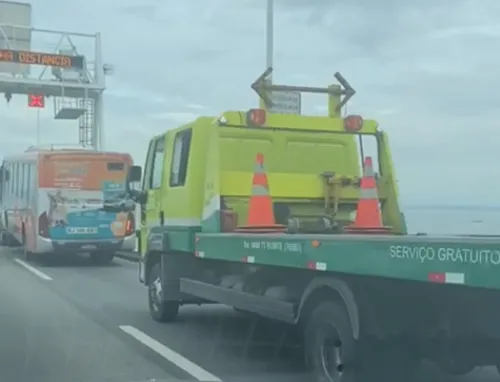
157, 242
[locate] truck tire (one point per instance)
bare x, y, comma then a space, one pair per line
161, 311
329, 343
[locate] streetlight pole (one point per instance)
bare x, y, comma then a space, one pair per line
270, 36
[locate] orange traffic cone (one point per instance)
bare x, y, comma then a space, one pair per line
260, 205
368, 217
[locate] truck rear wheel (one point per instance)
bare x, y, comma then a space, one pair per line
329, 343
160, 310
333, 355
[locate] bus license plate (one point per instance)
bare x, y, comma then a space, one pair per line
80, 230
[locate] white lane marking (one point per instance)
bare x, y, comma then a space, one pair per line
33, 270
189, 367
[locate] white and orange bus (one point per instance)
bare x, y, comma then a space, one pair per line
67, 200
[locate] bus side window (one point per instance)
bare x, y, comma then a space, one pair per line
21, 181
33, 184
12, 179
8, 182
17, 182
27, 183
3, 180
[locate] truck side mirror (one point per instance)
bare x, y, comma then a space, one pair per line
134, 174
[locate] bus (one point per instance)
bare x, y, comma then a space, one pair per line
67, 200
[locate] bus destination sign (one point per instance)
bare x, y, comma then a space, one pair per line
44, 59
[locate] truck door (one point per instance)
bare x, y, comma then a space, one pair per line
152, 215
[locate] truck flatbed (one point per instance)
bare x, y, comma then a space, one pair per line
469, 260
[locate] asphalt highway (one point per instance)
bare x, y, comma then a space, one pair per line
66, 320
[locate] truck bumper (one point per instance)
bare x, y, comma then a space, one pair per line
72, 246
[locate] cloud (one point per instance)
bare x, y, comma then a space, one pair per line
138, 95
177, 118
427, 71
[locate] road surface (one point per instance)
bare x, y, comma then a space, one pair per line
67, 320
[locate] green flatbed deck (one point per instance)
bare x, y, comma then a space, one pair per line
468, 260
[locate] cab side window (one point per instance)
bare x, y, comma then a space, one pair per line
157, 163
147, 166
180, 157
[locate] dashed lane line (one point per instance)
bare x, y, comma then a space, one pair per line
183, 363
33, 270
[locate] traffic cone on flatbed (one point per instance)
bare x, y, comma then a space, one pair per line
368, 217
260, 205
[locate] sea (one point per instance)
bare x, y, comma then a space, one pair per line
452, 220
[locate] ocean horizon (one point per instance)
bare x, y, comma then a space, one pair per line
451, 206
448, 219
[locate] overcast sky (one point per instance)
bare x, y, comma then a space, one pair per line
428, 71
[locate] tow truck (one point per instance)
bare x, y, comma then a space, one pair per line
283, 216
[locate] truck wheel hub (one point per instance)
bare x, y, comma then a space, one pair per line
155, 293
331, 358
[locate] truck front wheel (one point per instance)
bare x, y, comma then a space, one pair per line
160, 310
329, 344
